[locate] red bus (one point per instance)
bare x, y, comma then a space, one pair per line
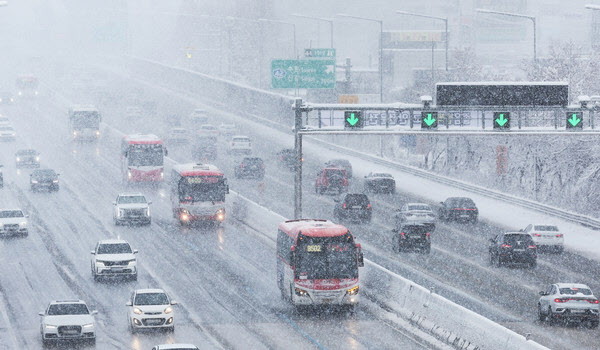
142, 158
317, 263
198, 193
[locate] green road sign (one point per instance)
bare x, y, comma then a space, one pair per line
502, 120
303, 74
429, 120
319, 53
574, 120
353, 120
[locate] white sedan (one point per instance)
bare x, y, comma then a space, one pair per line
112, 258
13, 221
416, 214
240, 144
68, 320
150, 308
568, 301
546, 237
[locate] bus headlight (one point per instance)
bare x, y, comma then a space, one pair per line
301, 292
147, 211
129, 174
97, 132
20, 93
184, 215
220, 214
352, 291
120, 213
74, 133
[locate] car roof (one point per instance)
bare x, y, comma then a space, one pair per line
240, 136
67, 301
252, 158
9, 209
43, 170
572, 285
149, 290
29, 150
534, 225
176, 346
125, 194
417, 204
515, 233
112, 241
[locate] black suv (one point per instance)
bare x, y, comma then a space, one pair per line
416, 237
354, 207
287, 158
250, 167
458, 209
44, 178
513, 247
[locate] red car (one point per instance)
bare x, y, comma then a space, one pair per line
330, 179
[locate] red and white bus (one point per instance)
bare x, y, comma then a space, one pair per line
142, 158
27, 86
317, 263
198, 193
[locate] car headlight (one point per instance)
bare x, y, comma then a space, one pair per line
89, 325
147, 211
20, 93
74, 133
128, 174
120, 212
301, 292
34, 181
137, 311
18, 159
131, 262
22, 223
49, 326
37, 159
55, 181
99, 263
97, 133
168, 310
352, 291
220, 214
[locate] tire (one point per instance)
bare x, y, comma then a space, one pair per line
533, 265
541, 316
96, 277
427, 250
25, 234
549, 316
593, 324
134, 277
560, 250
46, 343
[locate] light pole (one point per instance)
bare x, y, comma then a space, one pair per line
595, 25
380, 48
445, 19
330, 21
283, 22
532, 18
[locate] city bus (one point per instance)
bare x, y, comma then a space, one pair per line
142, 158
84, 122
27, 86
198, 193
317, 263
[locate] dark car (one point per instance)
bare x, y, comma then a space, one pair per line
380, 183
204, 147
458, 209
44, 178
354, 207
1, 178
513, 247
287, 158
342, 164
416, 237
250, 167
27, 157
331, 179
6, 98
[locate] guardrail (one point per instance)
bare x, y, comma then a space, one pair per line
278, 114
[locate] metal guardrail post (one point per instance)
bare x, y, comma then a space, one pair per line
319, 116
387, 118
298, 147
483, 120
592, 116
519, 118
410, 119
555, 120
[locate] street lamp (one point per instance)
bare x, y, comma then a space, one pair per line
283, 22
380, 48
330, 21
532, 18
445, 19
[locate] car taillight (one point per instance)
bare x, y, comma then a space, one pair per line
531, 246
505, 246
369, 206
559, 235
242, 165
537, 235
592, 301
561, 300
427, 234
281, 158
344, 205
402, 235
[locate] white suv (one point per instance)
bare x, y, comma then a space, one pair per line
131, 208
12, 222
68, 320
114, 257
546, 237
150, 308
565, 301
240, 144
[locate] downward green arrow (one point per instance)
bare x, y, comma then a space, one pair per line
352, 120
429, 120
501, 121
574, 120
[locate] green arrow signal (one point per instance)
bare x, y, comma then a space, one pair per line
352, 120
574, 120
501, 120
429, 120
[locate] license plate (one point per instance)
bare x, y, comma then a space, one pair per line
116, 269
464, 216
154, 321
70, 332
519, 250
577, 311
414, 237
327, 301
356, 207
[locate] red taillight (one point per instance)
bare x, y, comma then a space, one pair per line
505, 246
531, 246
344, 205
537, 235
558, 300
427, 234
242, 165
559, 235
369, 206
402, 235
592, 301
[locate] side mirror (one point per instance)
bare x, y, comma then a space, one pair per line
173, 302
395, 230
292, 255
166, 152
114, 203
149, 202
337, 200
128, 303
95, 312
492, 240
542, 293
41, 313
442, 203
521, 230
93, 252
227, 189
27, 216
135, 251
366, 176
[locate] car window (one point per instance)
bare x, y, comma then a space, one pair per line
151, 299
514, 238
551, 290
131, 199
419, 207
68, 309
546, 228
114, 248
528, 228
11, 214
573, 291
241, 139
356, 199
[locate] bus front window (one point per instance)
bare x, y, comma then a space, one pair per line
326, 258
150, 156
202, 189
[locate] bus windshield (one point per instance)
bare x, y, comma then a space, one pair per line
326, 258
145, 155
82, 120
202, 189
